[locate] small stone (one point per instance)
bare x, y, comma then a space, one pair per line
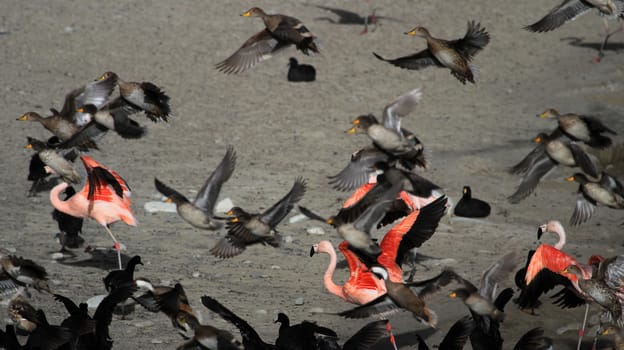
143, 324
69, 29
155, 207
157, 341
55, 282
247, 262
288, 239
261, 312
315, 230
299, 301
317, 310
276, 267
297, 218
224, 205
57, 256
196, 274
11, 250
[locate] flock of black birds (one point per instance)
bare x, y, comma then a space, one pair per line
382, 174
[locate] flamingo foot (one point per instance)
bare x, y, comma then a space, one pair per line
392, 340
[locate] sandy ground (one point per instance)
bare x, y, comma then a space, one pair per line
283, 130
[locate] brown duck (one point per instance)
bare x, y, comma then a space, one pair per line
281, 31
453, 54
609, 192
581, 128
145, 96
246, 229
68, 121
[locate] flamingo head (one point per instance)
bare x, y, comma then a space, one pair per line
553, 226
321, 247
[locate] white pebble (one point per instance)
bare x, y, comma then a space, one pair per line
156, 341
261, 312
287, 239
275, 267
57, 256
155, 207
224, 205
297, 218
196, 274
299, 301
143, 324
317, 310
315, 230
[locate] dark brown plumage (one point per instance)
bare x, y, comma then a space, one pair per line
281, 31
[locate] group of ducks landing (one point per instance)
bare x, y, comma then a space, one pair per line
570, 145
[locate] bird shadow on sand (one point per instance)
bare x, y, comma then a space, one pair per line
100, 258
579, 42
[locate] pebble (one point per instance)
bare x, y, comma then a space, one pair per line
297, 218
156, 341
196, 274
11, 250
288, 239
155, 207
57, 256
224, 205
56, 282
315, 230
261, 312
276, 267
317, 310
299, 301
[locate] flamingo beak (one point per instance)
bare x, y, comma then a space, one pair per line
540, 232
312, 251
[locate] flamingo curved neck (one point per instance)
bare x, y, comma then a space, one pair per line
59, 204
329, 274
562, 237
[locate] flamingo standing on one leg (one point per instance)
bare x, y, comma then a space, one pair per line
105, 198
361, 287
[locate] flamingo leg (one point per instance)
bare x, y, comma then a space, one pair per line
606, 38
392, 340
117, 246
582, 330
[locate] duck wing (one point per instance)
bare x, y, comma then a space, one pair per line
496, 273
400, 107
358, 171
458, 335
416, 61
367, 336
168, 191
566, 11
260, 47
251, 339
584, 208
208, 194
375, 212
534, 339
612, 183
381, 306
538, 169
279, 210
583, 160
475, 40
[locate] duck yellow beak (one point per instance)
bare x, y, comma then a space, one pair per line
330, 221
570, 178
537, 139
564, 270
351, 131
168, 200
605, 332
102, 77
230, 213
411, 33
544, 114
80, 110
235, 219
453, 295
23, 118
28, 146
246, 14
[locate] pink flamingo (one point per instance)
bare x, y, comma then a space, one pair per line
552, 258
362, 286
105, 198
